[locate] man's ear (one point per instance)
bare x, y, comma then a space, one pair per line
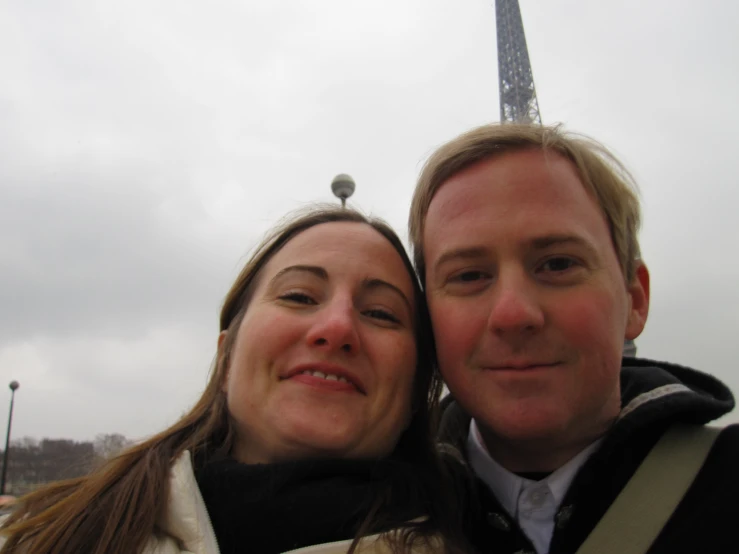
638, 292
222, 359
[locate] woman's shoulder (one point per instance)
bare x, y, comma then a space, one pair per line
3, 537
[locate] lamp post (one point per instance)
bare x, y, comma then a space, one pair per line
13, 387
343, 187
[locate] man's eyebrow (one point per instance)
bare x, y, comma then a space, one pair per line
557, 240
540, 243
313, 269
373, 283
461, 254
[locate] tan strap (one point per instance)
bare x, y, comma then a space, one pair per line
639, 513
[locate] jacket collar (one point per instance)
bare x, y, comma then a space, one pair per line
186, 517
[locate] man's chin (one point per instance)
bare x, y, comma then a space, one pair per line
522, 424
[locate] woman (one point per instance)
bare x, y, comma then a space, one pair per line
313, 430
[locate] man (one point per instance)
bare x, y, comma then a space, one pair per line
525, 238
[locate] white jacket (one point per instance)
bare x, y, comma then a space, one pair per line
185, 527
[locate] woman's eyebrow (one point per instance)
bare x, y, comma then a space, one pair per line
374, 283
318, 271
368, 283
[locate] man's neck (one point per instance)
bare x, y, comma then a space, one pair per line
536, 455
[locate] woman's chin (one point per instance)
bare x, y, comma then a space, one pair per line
298, 426
323, 437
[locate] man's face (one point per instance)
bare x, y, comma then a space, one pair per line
528, 302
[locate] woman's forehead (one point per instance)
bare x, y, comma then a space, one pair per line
347, 247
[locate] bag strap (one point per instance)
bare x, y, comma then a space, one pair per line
639, 513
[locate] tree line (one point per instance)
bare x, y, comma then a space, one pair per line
32, 462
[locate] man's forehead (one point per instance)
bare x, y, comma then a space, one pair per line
525, 200
511, 164
464, 210
450, 201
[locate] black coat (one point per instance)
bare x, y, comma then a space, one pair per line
654, 396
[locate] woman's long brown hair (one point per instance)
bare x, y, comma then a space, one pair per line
115, 509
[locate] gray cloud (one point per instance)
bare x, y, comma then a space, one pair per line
144, 149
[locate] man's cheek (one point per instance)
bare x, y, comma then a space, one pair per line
586, 325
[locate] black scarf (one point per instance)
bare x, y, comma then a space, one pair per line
274, 508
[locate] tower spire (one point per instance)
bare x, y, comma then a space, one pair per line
518, 101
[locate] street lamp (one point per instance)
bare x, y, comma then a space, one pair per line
343, 187
13, 387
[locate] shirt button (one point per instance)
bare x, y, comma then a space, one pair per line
498, 521
538, 497
563, 516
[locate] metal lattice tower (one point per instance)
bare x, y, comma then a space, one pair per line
518, 101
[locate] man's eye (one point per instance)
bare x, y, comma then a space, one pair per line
298, 298
381, 314
558, 264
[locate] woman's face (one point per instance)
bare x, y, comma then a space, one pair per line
324, 359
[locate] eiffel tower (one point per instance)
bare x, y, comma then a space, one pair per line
518, 102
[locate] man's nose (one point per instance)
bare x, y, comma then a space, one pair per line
335, 328
515, 307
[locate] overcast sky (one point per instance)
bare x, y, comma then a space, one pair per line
146, 146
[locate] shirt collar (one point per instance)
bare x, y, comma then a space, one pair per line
507, 486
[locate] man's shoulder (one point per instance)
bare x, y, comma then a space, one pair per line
729, 433
705, 518
721, 461
725, 451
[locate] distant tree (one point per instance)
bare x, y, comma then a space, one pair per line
29, 443
32, 463
64, 459
108, 445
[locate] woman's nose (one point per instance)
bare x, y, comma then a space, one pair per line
335, 328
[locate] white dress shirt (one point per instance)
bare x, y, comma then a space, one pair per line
532, 504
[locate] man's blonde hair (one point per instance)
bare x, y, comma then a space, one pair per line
601, 173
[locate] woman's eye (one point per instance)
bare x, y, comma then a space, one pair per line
557, 265
298, 298
381, 314
469, 276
